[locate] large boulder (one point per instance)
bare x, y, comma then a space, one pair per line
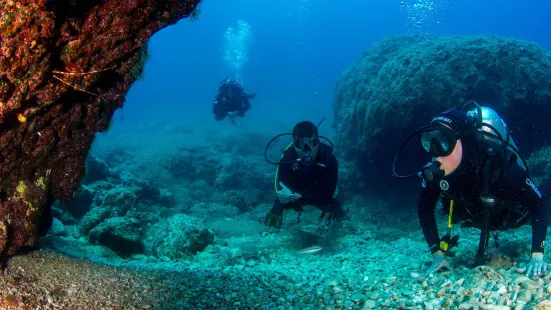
65, 67
81, 203
401, 82
120, 234
180, 236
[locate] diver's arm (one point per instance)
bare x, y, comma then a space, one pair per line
219, 108
425, 210
246, 105
282, 174
527, 194
331, 178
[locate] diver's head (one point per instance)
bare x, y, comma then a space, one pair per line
229, 87
443, 138
306, 141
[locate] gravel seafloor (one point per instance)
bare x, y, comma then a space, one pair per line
365, 273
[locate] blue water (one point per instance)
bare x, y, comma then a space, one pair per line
298, 50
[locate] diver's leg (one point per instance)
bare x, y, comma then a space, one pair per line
333, 221
337, 211
333, 210
274, 218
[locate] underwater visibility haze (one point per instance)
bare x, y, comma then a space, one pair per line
292, 154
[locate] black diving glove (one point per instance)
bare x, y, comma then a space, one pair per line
337, 212
274, 218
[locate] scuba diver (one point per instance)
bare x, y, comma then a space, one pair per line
231, 100
307, 174
483, 180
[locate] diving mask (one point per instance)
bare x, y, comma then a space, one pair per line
307, 149
439, 141
306, 143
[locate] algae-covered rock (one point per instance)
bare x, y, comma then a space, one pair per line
213, 211
401, 82
180, 236
65, 67
244, 199
120, 234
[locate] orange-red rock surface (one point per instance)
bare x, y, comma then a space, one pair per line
65, 67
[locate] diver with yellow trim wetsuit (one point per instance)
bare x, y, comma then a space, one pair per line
307, 174
482, 180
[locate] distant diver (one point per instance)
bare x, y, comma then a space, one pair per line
231, 100
484, 183
307, 174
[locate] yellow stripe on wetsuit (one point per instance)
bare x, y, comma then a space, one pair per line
277, 170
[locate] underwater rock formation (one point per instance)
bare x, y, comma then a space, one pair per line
49, 109
180, 236
400, 83
96, 170
539, 164
120, 234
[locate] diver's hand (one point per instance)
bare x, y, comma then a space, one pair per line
285, 195
233, 114
536, 266
439, 262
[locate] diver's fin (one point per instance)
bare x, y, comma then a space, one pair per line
250, 96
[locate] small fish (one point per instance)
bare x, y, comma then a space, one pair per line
310, 250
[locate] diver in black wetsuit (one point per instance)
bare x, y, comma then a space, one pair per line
231, 100
307, 175
478, 187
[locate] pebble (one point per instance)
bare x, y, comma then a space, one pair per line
414, 275
370, 304
529, 284
448, 302
525, 296
521, 268
466, 306
544, 305
521, 279
332, 282
357, 297
493, 307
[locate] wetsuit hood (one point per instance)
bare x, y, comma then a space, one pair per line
467, 171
